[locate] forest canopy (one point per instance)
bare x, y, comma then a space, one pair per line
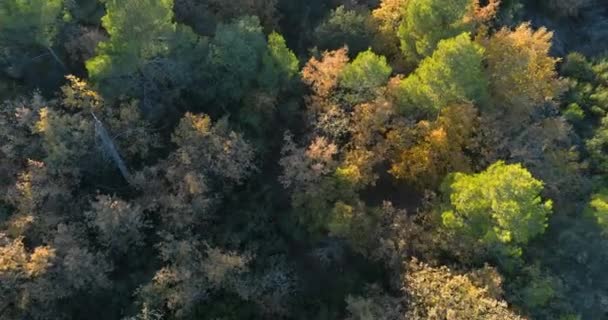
292, 159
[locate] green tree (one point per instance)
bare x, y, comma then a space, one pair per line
499, 209
144, 53
138, 31
27, 23
368, 71
345, 27
27, 28
427, 22
588, 89
596, 146
280, 65
234, 59
598, 208
453, 74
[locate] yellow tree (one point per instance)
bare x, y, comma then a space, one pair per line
522, 74
439, 149
440, 293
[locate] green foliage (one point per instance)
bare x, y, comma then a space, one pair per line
28, 33
578, 67
427, 22
212, 220
137, 59
280, 65
87, 11
535, 289
597, 146
345, 27
453, 74
29, 23
588, 86
234, 59
574, 113
499, 208
598, 207
368, 71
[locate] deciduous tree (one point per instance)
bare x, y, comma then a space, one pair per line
521, 72
440, 293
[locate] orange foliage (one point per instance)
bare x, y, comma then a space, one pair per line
322, 75
439, 148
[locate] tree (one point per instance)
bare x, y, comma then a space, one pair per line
234, 59
345, 27
323, 75
440, 293
204, 16
499, 208
280, 64
38, 281
521, 72
367, 72
265, 10
440, 147
570, 8
323, 195
427, 22
192, 271
130, 46
374, 305
87, 11
184, 188
212, 148
388, 17
597, 145
120, 225
71, 128
146, 53
453, 74
17, 266
27, 26
588, 93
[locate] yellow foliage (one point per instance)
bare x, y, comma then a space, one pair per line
349, 173
439, 147
522, 73
16, 260
389, 14
481, 14
78, 95
441, 294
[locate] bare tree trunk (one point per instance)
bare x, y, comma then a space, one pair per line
110, 148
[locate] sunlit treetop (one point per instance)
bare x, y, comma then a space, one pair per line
522, 74
499, 208
367, 71
427, 22
453, 74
